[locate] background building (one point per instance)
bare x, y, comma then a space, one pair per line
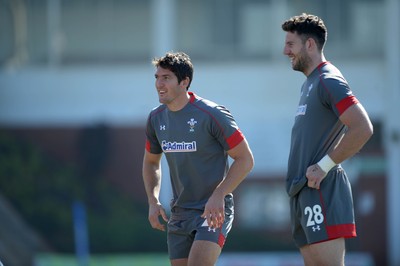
76, 81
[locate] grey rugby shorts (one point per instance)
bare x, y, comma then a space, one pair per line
186, 226
324, 214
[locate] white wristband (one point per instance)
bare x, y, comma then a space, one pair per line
326, 163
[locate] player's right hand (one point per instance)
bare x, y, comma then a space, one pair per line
155, 210
315, 175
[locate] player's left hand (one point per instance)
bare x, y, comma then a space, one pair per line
214, 210
155, 211
315, 175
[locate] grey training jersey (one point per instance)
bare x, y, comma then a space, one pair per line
325, 95
195, 141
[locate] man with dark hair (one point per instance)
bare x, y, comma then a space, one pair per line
196, 136
330, 126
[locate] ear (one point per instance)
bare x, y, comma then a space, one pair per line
311, 44
185, 82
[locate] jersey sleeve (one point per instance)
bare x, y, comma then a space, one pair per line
335, 93
225, 129
152, 145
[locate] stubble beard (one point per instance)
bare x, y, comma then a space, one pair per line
302, 62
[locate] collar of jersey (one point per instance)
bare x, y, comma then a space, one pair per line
192, 97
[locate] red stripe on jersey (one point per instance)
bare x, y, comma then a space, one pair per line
192, 97
235, 139
147, 145
341, 230
323, 64
346, 103
221, 240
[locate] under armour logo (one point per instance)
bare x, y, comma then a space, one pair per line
211, 229
162, 127
205, 223
315, 228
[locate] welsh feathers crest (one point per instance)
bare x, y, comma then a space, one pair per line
192, 123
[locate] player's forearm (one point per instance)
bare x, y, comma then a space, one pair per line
152, 183
352, 142
238, 171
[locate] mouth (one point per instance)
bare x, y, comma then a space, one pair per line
292, 60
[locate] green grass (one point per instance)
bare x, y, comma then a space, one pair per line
155, 259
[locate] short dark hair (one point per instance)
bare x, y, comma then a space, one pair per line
177, 62
307, 26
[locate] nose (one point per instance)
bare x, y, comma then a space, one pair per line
286, 50
159, 83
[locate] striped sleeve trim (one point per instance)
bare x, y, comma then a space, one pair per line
346, 103
235, 139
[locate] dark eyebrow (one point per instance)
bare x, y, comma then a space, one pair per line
164, 75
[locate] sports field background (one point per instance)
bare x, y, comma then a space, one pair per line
77, 84
226, 259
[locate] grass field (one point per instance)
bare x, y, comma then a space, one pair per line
226, 259
154, 259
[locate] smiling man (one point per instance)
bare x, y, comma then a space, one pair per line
330, 126
196, 136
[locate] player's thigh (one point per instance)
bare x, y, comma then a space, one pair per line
179, 262
204, 253
328, 253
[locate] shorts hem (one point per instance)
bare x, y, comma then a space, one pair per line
332, 238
